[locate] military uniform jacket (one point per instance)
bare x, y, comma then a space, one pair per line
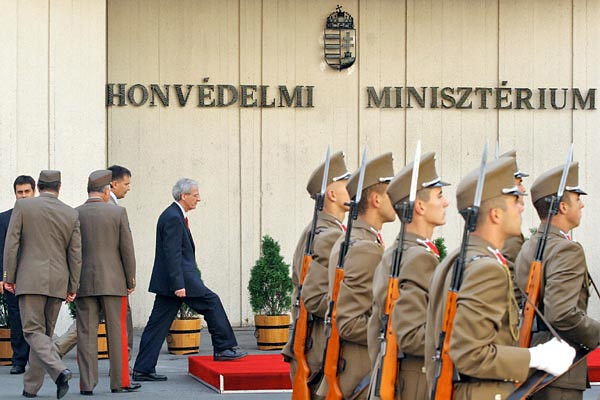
563, 298
355, 299
512, 247
484, 341
108, 259
42, 251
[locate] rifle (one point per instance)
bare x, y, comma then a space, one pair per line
332, 346
534, 281
300, 387
387, 367
443, 386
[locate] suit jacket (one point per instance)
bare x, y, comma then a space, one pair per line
175, 257
564, 297
4, 220
484, 342
42, 252
108, 259
354, 303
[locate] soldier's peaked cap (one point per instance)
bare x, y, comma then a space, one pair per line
378, 170
99, 178
428, 178
518, 173
49, 176
499, 180
337, 172
547, 183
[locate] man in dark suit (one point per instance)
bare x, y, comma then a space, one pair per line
42, 264
176, 279
24, 187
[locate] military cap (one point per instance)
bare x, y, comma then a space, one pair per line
513, 153
49, 176
547, 183
378, 170
99, 178
499, 180
337, 172
428, 178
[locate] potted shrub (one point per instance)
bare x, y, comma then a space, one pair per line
184, 333
5, 347
270, 289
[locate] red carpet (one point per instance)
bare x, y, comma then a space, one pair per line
254, 373
593, 360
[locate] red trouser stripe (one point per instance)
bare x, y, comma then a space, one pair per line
124, 350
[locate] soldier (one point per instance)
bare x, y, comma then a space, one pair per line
483, 344
513, 244
419, 259
107, 277
564, 292
355, 298
42, 264
329, 228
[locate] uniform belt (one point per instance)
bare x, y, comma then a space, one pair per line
470, 379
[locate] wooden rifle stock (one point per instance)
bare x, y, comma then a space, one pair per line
300, 386
532, 291
332, 353
388, 368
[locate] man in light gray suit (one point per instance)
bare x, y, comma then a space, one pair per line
42, 265
107, 277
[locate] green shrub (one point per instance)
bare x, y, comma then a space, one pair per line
440, 243
270, 284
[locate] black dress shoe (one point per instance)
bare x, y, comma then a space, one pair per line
62, 383
17, 369
86, 392
27, 394
148, 377
131, 388
229, 355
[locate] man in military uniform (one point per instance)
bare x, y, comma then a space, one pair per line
355, 298
107, 277
24, 187
483, 344
419, 259
42, 264
329, 228
565, 282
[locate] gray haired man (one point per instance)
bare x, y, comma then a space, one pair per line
175, 280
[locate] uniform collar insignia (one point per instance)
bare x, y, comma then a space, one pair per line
430, 246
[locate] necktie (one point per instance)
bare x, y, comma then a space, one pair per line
187, 223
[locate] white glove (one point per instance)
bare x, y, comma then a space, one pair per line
553, 357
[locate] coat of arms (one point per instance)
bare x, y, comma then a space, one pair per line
339, 40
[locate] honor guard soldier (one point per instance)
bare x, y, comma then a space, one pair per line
513, 244
42, 263
565, 282
483, 343
107, 277
355, 299
419, 259
329, 228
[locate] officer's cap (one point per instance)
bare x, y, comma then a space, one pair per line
49, 176
547, 183
428, 178
378, 170
513, 153
99, 178
499, 180
337, 172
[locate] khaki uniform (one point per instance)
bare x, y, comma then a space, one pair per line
42, 255
288, 349
409, 313
564, 299
314, 291
108, 271
354, 304
485, 335
512, 247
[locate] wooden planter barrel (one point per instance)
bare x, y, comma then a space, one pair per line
102, 342
5, 347
272, 331
184, 336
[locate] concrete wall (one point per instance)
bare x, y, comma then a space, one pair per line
252, 163
52, 111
